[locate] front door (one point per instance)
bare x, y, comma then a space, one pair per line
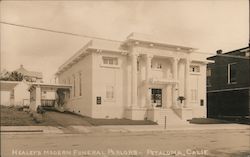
156, 97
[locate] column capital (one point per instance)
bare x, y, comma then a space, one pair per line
187, 60
175, 59
150, 56
134, 54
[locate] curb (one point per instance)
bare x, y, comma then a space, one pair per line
21, 131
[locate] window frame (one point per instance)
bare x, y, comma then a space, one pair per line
80, 83
109, 63
229, 78
112, 92
193, 67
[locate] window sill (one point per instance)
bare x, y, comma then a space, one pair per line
110, 66
155, 69
109, 100
232, 83
77, 97
195, 73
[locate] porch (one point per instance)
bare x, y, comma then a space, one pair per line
49, 96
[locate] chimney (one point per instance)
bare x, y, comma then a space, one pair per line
218, 52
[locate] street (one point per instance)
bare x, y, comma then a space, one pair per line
210, 143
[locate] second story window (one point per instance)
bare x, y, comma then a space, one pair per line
209, 74
158, 66
110, 61
231, 73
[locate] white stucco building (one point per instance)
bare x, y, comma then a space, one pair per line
140, 78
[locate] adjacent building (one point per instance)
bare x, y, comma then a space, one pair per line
16, 92
228, 84
139, 78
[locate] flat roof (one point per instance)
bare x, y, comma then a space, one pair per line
46, 85
8, 85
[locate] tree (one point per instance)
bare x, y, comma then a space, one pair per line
13, 76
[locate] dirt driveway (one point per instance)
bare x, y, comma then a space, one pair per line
64, 119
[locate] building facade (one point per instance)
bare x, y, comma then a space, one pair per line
139, 78
228, 84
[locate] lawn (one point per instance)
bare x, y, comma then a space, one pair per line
223, 120
11, 116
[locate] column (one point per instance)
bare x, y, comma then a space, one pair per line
186, 101
169, 95
148, 76
148, 66
175, 78
134, 80
38, 96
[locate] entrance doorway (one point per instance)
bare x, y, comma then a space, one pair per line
156, 97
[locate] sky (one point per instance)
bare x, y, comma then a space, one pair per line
207, 25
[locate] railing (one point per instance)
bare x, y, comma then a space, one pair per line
48, 103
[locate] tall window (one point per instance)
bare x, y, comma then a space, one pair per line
80, 84
110, 92
194, 96
74, 85
209, 74
231, 73
138, 65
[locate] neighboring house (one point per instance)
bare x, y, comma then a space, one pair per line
139, 78
17, 93
228, 84
30, 76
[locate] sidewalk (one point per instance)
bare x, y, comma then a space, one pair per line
154, 128
119, 128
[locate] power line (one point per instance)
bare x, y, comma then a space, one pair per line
55, 31
92, 37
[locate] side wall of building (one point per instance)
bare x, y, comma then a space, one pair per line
197, 93
79, 74
109, 81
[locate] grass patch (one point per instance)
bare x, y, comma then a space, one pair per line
98, 122
208, 121
11, 116
114, 121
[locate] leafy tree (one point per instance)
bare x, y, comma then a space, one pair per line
13, 76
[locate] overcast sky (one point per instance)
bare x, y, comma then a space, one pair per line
204, 24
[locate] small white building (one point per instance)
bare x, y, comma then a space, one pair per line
16, 92
138, 79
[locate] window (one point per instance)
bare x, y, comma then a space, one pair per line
80, 84
247, 54
158, 66
110, 60
231, 73
74, 85
110, 92
209, 74
194, 68
194, 95
138, 65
